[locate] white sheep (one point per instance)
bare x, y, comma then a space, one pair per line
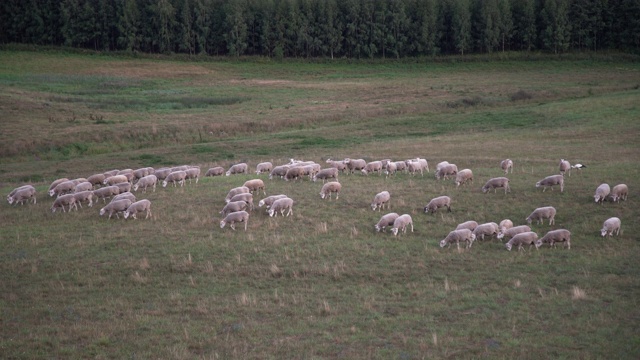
126, 195
280, 171
294, 173
555, 236
487, 229
441, 164
386, 220
564, 166
175, 177
401, 166
620, 191
115, 179
355, 164
137, 207
610, 226
471, 225
464, 176
539, 214
81, 196
446, 170
110, 173
142, 172
54, 184
340, 165
281, 205
235, 191
180, 168
162, 173
193, 172
391, 169
241, 168
233, 206
65, 187
84, 186
551, 181
495, 184
373, 166
401, 223
22, 194
601, 193
380, 200
128, 173
106, 192
96, 179
64, 200
235, 217
505, 224
215, 171
255, 185
116, 207
330, 188
414, 167
270, 199
124, 187
326, 174
438, 202
456, 236
525, 238
264, 167
510, 232
145, 182
424, 165
506, 165
246, 197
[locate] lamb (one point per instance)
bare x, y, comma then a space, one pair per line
22, 194
355, 164
400, 224
294, 173
489, 229
525, 238
620, 191
438, 202
601, 193
162, 173
116, 207
464, 176
471, 225
564, 166
105, 192
84, 186
373, 166
340, 165
241, 168
54, 184
124, 187
445, 170
506, 165
270, 199
386, 220
511, 232
246, 197
554, 236
255, 185
506, 224
96, 179
81, 196
380, 200
193, 173
115, 179
235, 191
456, 236
235, 217
215, 171
326, 174
138, 207
496, 183
550, 181
539, 214
233, 206
65, 187
145, 182
64, 200
175, 177
280, 171
281, 205
329, 188
610, 226
264, 167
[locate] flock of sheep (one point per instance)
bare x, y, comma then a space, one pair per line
118, 184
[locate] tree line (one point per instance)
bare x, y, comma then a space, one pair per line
325, 28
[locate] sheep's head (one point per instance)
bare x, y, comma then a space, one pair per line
164, 183
443, 243
126, 214
103, 211
222, 224
500, 235
508, 246
538, 184
394, 231
52, 192
538, 243
603, 232
374, 206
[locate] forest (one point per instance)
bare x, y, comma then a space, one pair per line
352, 29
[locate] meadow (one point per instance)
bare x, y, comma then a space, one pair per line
320, 284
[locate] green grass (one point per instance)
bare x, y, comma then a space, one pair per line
321, 283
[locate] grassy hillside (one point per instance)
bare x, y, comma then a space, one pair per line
321, 283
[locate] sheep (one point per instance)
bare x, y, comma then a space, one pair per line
620, 191
255, 185
115, 179
400, 166
233, 206
96, 179
294, 173
22, 194
246, 197
554, 236
464, 176
539, 214
355, 164
506, 165
400, 224
386, 220
270, 199
380, 200
15, 190
215, 171
235, 191
142, 172
138, 207
65, 187
391, 169
84, 186
310, 170
495, 183
550, 181
506, 224
601, 193
564, 166
116, 207
524, 238
445, 170
264, 167
414, 167
105, 192
329, 188
441, 164
162, 173
175, 177
510, 232
281, 205
279, 171
64, 200
456, 236
128, 173
241, 168
193, 173
81, 196
340, 165
235, 217
180, 168
471, 225
610, 226
373, 166
145, 182
110, 173
326, 174
489, 229
438, 202
124, 187
126, 195
424, 165
54, 184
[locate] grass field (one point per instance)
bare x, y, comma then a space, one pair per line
321, 283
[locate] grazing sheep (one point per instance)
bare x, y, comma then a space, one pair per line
340, 165
264, 167
506, 165
471, 225
81, 196
564, 166
445, 170
65, 187
456, 236
64, 200
246, 197
241, 168
380, 200
400, 224
235, 217
124, 187
620, 191
391, 169
326, 174
506, 224
175, 177
215, 171
54, 184
424, 165
601, 193
145, 182
551, 181
401, 166
555, 236
96, 179
84, 186
355, 164
610, 226
105, 192
116, 207
294, 173
180, 168
193, 173
22, 194
414, 167
438, 202
138, 207
110, 173
330, 188
29, 186
126, 195
489, 229
510, 232
496, 183
270, 199
255, 185
386, 220
142, 172
281, 205
525, 238
279, 171
539, 214
373, 166
233, 206
235, 191
162, 173
441, 164
464, 176
115, 179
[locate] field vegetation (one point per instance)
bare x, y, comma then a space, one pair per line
320, 283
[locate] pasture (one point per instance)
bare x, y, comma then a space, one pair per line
320, 283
